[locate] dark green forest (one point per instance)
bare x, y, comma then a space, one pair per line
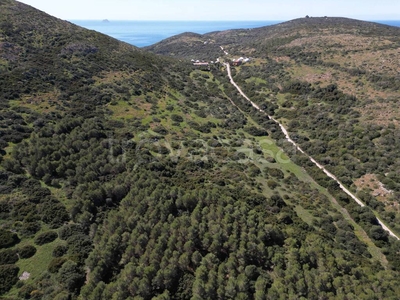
125, 174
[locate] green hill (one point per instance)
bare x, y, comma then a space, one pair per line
333, 82
127, 175
263, 40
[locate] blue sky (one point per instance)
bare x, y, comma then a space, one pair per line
217, 9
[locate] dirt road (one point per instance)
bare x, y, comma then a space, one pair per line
329, 174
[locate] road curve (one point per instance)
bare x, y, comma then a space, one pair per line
285, 132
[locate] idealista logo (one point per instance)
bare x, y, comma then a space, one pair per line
150, 147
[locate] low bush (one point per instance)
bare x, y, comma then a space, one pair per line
56, 264
45, 238
60, 250
8, 257
8, 277
7, 238
26, 251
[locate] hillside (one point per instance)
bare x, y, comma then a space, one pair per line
333, 82
128, 175
360, 57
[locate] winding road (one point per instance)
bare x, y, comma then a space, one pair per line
329, 174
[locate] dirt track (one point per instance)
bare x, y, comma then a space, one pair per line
228, 68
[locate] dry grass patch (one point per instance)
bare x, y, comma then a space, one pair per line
42, 103
110, 77
380, 61
340, 42
381, 113
282, 59
311, 74
376, 188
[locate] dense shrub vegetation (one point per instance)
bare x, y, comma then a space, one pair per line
148, 179
26, 251
8, 277
7, 238
45, 237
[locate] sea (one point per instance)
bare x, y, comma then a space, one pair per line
146, 33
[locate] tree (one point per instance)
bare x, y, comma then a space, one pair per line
8, 257
46, 237
378, 233
261, 286
8, 277
59, 250
71, 276
26, 251
7, 238
69, 230
56, 264
230, 289
79, 246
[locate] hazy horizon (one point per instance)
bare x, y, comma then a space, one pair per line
145, 33
249, 20
224, 10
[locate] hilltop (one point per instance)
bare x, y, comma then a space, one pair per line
361, 57
257, 40
125, 174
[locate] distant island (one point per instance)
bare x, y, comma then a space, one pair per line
235, 164
106, 21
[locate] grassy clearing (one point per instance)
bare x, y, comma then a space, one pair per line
256, 80
37, 265
303, 71
120, 109
41, 103
124, 110
9, 150
59, 194
270, 149
304, 214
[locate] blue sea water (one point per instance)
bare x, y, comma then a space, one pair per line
145, 33
390, 22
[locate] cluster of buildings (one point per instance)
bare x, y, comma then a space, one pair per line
234, 62
239, 61
199, 63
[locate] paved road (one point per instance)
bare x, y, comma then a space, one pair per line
228, 68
